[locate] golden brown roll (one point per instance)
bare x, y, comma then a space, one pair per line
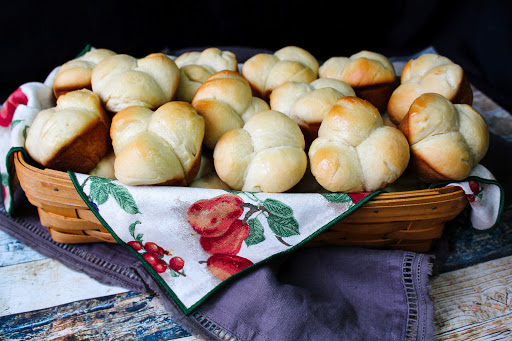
76, 73
122, 81
447, 140
226, 102
429, 73
308, 103
265, 72
195, 67
157, 148
355, 151
266, 155
207, 177
73, 136
105, 166
370, 74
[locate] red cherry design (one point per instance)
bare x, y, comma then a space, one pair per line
151, 258
154, 248
137, 246
176, 263
160, 267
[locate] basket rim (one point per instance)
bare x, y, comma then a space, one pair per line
398, 197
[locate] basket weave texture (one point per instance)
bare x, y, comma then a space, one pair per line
410, 220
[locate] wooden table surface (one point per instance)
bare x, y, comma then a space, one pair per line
40, 299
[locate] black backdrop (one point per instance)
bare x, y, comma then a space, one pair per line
36, 36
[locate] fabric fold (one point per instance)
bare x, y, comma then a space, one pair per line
343, 293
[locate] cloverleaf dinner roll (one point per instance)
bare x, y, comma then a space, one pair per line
207, 177
157, 148
370, 74
73, 136
355, 151
76, 73
226, 102
429, 73
122, 81
105, 166
265, 72
266, 155
308, 103
195, 67
447, 140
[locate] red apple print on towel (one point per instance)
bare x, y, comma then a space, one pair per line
223, 231
230, 242
224, 266
9, 107
213, 217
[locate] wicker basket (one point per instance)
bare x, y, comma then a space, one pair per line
410, 220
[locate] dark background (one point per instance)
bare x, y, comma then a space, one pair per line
37, 36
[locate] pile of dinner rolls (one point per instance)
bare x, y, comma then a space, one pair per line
202, 120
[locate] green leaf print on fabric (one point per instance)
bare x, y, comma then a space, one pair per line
101, 189
256, 232
337, 197
14, 123
5, 179
283, 226
131, 229
277, 208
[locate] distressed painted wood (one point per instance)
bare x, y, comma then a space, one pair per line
475, 303
125, 316
46, 283
14, 252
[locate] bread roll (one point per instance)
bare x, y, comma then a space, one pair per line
355, 151
429, 73
122, 81
105, 166
195, 67
447, 140
308, 103
73, 136
265, 72
370, 74
207, 177
266, 155
226, 102
157, 148
76, 74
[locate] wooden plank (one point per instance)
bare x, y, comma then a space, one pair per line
14, 252
125, 316
46, 283
473, 297
493, 329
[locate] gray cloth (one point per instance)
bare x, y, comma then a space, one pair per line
329, 293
